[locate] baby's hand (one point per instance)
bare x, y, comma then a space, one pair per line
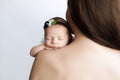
36, 49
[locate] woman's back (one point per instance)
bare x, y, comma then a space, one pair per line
87, 60
83, 59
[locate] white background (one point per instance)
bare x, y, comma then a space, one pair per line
21, 27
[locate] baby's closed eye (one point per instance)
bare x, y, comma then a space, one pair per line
60, 38
48, 38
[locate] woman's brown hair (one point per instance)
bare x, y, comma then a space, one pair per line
98, 20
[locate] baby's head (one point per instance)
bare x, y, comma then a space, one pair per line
57, 33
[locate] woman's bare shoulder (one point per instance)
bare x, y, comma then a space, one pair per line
51, 59
46, 64
46, 54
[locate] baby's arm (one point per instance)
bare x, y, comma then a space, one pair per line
36, 49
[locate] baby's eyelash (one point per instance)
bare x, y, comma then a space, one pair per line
60, 38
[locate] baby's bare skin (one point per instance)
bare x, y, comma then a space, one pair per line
38, 48
56, 36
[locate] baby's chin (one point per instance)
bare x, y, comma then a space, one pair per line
55, 47
52, 48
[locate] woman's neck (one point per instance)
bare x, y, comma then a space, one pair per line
84, 42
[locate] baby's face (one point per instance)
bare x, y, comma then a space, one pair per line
56, 36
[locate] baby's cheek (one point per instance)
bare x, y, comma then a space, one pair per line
47, 43
63, 44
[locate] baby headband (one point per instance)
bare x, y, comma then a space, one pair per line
51, 22
54, 22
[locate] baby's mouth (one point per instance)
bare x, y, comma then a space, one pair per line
54, 47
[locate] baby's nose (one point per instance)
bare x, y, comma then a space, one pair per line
54, 41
